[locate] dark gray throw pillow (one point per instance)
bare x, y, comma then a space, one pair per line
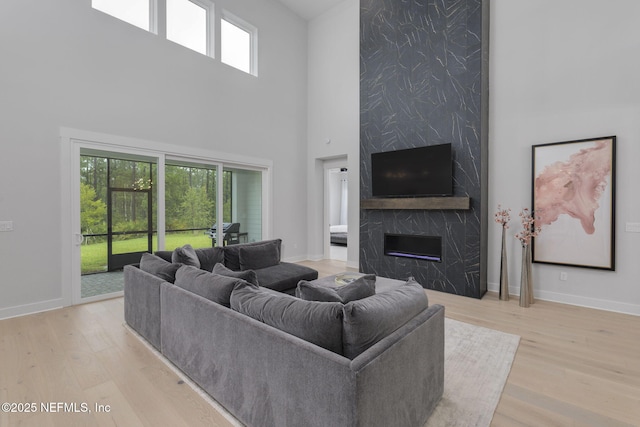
255, 257
368, 320
232, 252
247, 275
159, 267
186, 255
209, 257
362, 287
319, 323
211, 286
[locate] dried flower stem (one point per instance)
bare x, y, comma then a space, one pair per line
502, 217
529, 228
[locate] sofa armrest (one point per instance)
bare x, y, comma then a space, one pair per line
407, 366
142, 303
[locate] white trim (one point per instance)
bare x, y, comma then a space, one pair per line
595, 303
154, 15
209, 8
36, 307
267, 190
253, 38
327, 166
145, 147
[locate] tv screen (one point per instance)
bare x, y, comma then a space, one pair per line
422, 171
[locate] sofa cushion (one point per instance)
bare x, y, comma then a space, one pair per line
209, 285
319, 323
159, 267
232, 252
246, 275
368, 320
362, 287
255, 257
209, 257
285, 276
186, 255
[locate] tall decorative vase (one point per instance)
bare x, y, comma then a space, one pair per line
529, 274
504, 277
525, 276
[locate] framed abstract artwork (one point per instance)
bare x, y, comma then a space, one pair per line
573, 201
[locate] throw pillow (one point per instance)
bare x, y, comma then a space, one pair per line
369, 320
319, 323
157, 266
211, 286
232, 252
209, 257
186, 255
246, 275
362, 287
255, 257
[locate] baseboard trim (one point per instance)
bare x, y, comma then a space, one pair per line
607, 305
296, 258
37, 307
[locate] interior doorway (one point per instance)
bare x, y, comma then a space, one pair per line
336, 210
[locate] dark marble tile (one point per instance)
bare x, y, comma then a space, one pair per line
422, 84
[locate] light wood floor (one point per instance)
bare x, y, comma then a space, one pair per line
574, 367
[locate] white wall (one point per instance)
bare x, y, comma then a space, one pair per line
334, 115
65, 64
560, 71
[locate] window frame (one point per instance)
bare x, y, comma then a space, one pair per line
209, 8
253, 40
152, 18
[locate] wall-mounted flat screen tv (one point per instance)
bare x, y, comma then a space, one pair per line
413, 172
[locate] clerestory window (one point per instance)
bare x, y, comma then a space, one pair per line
135, 12
191, 23
238, 40
188, 25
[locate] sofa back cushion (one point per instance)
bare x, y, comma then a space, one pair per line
362, 287
159, 267
211, 286
186, 255
368, 320
209, 257
319, 323
266, 252
246, 275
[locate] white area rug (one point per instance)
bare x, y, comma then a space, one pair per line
477, 363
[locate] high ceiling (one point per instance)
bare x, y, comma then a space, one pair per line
309, 9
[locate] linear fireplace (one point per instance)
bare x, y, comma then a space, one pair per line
428, 248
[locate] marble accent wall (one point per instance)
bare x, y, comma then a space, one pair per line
424, 81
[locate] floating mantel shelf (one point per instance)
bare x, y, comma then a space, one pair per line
418, 203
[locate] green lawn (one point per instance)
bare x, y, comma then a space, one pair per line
94, 255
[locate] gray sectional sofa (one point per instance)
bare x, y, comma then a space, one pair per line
273, 359
264, 258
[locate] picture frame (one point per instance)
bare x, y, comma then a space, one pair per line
573, 201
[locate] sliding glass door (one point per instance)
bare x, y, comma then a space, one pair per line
117, 219
190, 204
243, 204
